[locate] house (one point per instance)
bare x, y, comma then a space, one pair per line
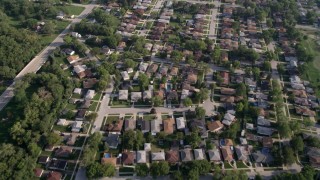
114, 127
62, 122
86, 104
73, 59
242, 153
186, 155
152, 68
63, 151
265, 131
76, 126
90, 94
174, 71
250, 83
106, 50
226, 153
249, 126
80, 71
181, 123
228, 119
192, 78
159, 93
227, 99
38, 172
80, 114
112, 140
56, 164
147, 146
143, 125
214, 155
43, 159
89, 83
168, 125
198, 154
54, 175
267, 142
123, 95
314, 157
141, 157
77, 91
262, 157
147, 95
263, 122
300, 93
108, 159
155, 126
128, 158
225, 78
121, 46
172, 95
201, 126
68, 51
227, 91
129, 124
125, 75
71, 139
158, 156
214, 126
136, 96
172, 156
243, 141
184, 94
301, 101
143, 66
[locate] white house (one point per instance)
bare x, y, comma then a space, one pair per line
125, 75
62, 122
123, 95
77, 91
184, 93
76, 35
143, 66
180, 122
90, 94
76, 126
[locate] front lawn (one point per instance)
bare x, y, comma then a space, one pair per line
240, 164
111, 119
61, 128
149, 117
93, 106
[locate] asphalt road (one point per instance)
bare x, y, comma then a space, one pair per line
36, 63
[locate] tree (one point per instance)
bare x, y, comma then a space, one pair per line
308, 172
288, 154
258, 177
177, 175
139, 140
187, 102
159, 168
280, 68
284, 129
256, 73
176, 56
193, 139
53, 139
200, 112
216, 54
266, 66
203, 94
297, 143
143, 80
241, 90
92, 117
48, 28
193, 174
68, 40
97, 170
149, 137
157, 101
129, 63
94, 140
129, 138
142, 170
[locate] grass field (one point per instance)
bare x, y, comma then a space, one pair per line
72, 10
312, 73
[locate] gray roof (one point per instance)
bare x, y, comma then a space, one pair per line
265, 131
198, 154
129, 124
158, 156
263, 122
242, 153
260, 157
112, 140
214, 155
141, 157
186, 155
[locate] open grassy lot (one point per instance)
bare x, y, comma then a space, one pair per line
312, 73
72, 10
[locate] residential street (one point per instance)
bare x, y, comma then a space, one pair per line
36, 63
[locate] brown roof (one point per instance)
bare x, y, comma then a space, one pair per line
227, 91
54, 175
192, 78
159, 93
111, 160
226, 153
267, 142
299, 93
63, 151
174, 71
73, 58
224, 56
81, 74
228, 142
114, 126
127, 158
225, 77
168, 127
214, 126
89, 83
152, 68
229, 99
172, 156
38, 172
